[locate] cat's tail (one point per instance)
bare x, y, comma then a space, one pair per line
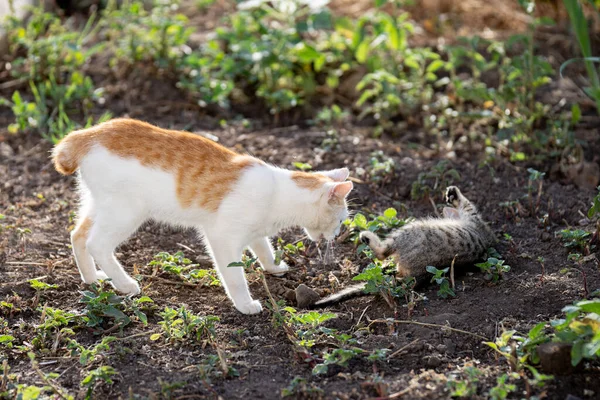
67, 154
344, 294
381, 249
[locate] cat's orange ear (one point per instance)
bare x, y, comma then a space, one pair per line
339, 191
338, 175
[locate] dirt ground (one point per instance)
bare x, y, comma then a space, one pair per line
34, 196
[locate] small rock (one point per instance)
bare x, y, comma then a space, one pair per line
546, 236
555, 358
571, 397
290, 295
337, 274
433, 361
450, 346
6, 150
305, 296
441, 348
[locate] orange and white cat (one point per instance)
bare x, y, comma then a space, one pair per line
131, 172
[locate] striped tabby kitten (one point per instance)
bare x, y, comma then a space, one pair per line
461, 233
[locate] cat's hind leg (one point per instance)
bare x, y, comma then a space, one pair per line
458, 200
111, 227
261, 247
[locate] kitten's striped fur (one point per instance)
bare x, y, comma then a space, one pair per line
462, 233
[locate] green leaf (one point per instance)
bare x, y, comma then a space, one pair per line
236, 264
535, 331
360, 221
390, 213
155, 336
306, 53
592, 306
362, 52
576, 353
435, 65
6, 338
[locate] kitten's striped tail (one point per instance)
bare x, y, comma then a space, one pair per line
67, 154
380, 248
344, 294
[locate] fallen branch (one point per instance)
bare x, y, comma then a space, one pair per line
398, 321
137, 335
394, 354
56, 389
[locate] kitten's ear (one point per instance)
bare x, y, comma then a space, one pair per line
338, 175
339, 191
450, 212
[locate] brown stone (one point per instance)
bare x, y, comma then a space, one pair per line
305, 296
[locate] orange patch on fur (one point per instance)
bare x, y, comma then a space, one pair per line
82, 230
310, 181
204, 171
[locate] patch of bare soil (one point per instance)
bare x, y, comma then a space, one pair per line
34, 196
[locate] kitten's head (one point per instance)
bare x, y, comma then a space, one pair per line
331, 208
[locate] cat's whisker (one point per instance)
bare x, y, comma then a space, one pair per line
329, 253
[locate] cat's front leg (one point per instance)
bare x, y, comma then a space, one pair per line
261, 247
233, 279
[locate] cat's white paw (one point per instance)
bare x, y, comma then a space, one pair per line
94, 278
129, 287
278, 270
250, 308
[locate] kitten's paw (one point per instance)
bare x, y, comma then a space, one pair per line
368, 238
453, 196
278, 270
250, 308
129, 287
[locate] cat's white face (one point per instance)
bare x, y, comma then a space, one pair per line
333, 210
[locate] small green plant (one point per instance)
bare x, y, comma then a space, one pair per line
381, 223
595, 208
381, 168
579, 22
177, 264
182, 325
102, 305
493, 268
381, 280
54, 327
7, 341
339, 357
300, 388
581, 328
41, 286
441, 175
466, 388
99, 376
574, 238
90, 354
518, 350
439, 276
158, 36
535, 176
502, 388
52, 64
288, 251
